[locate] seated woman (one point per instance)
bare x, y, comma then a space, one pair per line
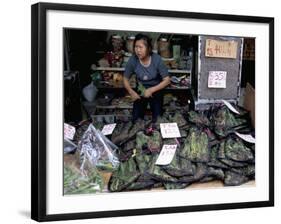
151, 73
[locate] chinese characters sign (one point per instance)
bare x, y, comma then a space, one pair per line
166, 155
170, 130
217, 79
221, 49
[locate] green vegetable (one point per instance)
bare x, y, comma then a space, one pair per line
141, 89
77, 183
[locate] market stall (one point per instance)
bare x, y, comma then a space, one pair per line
203, 135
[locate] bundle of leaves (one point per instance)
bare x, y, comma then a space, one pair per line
121, 133
150, 143
198, 118
225, 122
179, 166
178, 118
144, 181
77, 182
196, 147
158, 173
126, 174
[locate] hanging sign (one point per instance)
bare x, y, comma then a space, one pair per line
166, 155
221, 49
217, 79
170, 130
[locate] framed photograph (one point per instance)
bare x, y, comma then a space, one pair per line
95, 154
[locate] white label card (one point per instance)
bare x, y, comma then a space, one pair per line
68, 131
247, 138
170, 130
166, 155
217, 79
108, 129
230, 107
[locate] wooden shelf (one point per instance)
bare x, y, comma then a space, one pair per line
112, 85
178, 88
109, 69
181, 71
122, 87
114, 107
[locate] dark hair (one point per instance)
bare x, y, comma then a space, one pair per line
147, 42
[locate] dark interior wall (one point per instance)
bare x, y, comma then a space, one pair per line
83, 45
248, 73
248, 64
86, 47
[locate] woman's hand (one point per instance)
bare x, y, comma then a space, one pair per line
134, 95
165, 82
148, 93
127, 86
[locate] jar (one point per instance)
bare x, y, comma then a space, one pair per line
176, 52
164, 48
130, 44
117, 43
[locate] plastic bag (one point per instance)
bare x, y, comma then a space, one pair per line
98, 150
68, 146
89, 92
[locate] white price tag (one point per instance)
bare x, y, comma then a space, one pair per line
230, 107
108, 129
217, 79
68, 131
247, 138
170, 130
166, 155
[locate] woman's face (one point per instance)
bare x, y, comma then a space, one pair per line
141, 49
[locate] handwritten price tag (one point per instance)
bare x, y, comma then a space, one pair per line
217, 79
68, 131
166, 155
108, 129
170, 130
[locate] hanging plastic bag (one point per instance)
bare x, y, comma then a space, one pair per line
98, 150
90, 92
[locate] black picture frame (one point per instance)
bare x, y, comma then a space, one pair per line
39, 110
